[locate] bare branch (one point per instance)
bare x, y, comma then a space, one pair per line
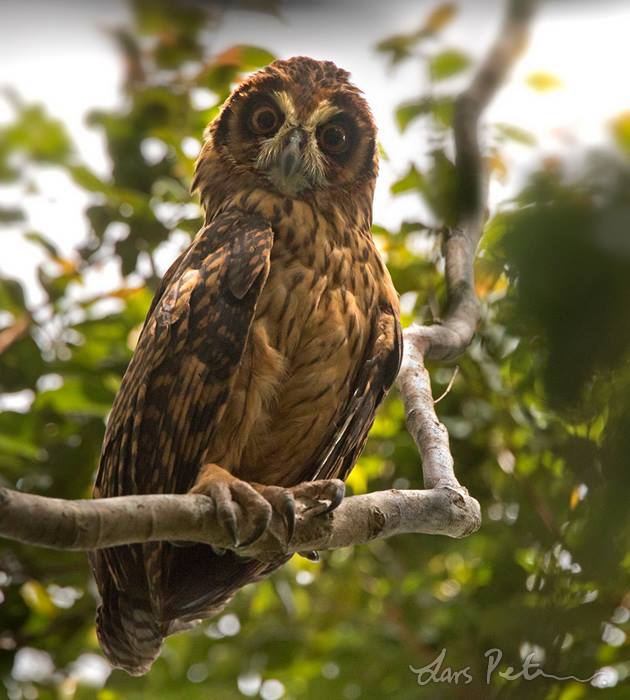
448, 339
430, 435
13, 334
107, 522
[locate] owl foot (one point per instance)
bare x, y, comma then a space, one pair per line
245, 509
241, 510
305, 500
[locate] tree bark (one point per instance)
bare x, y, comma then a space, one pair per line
107, 522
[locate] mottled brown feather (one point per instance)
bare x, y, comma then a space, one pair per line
174, 391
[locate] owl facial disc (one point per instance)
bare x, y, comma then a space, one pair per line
290, 159
298, 128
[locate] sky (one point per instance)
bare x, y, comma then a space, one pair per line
65, 60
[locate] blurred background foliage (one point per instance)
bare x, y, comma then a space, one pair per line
539, 413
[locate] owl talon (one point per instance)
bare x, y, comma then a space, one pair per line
311, 556
282, 502
289, 517
242, 512
245, 509
258, 532
307, 500
338, 494
319, 497
227, 516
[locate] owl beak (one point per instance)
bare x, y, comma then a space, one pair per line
292, 154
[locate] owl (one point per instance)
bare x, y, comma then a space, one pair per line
264, 355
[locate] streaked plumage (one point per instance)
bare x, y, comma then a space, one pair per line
267, 349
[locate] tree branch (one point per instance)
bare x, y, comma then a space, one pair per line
107, 522
449, 338
13, 334
446, 508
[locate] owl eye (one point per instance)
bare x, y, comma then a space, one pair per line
264, 120
333, 138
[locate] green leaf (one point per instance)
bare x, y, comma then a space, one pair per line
219, 78
409, 111
11, 296
39, 136
515, 133
18, 446
86, 179
21, 365
229, 64
440, 108
253, 57
43, 242
79, 395
439, 191
400, 45
10, 215
411, 180
447, 64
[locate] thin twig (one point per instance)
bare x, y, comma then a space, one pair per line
446, 391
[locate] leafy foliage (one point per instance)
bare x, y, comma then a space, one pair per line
539, 414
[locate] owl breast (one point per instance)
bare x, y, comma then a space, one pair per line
306, 341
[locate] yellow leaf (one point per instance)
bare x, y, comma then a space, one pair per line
497, 166
126, 292
487, 280
68, 687
68, 267
357, 480
484, 285
37, 598
543, 82
501, 284
620, 127
107, 694
133, 337
264, 599
578, 494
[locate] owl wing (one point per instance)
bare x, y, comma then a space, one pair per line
168, 406
375, 374
179, 379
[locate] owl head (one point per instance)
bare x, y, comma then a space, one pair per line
296, 127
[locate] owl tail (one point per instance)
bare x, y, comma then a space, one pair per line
128, 632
